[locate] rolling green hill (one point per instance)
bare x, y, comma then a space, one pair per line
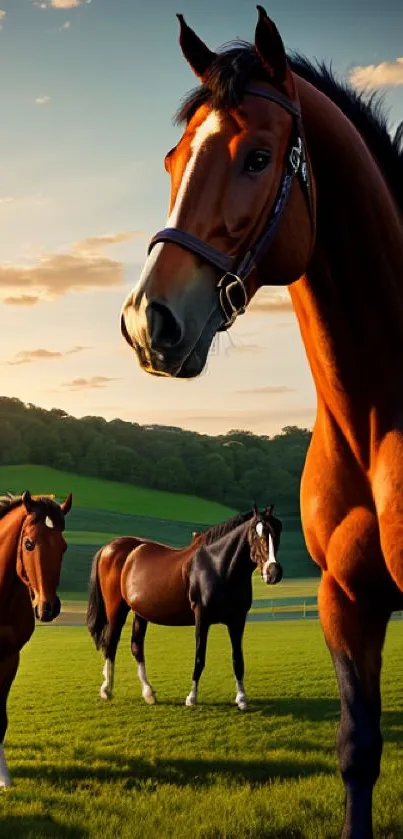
94, 493
104, 509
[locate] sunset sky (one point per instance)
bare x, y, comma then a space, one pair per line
88, 90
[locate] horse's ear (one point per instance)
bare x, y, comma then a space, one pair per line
256, 509
66, 506
269, 510
197, 54
27, 501
271, 51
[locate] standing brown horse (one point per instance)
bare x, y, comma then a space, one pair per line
31, 550
207, 582
285, 176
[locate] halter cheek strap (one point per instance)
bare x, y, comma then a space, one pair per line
231, 288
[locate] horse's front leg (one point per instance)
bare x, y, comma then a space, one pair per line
355, 637
202, 628
8, 670
236, 630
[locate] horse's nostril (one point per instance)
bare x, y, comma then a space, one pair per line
166, 332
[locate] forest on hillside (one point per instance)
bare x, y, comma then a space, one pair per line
237, 468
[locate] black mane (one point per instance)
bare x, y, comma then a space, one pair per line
219, 530
43, 507
236, 64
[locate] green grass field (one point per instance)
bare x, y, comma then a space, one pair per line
93, 493
82, 768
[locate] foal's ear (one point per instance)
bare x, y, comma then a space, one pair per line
27, 501
67, 504
195, 51
256, 509
270, 49
269, 510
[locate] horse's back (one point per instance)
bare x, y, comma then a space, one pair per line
154, 583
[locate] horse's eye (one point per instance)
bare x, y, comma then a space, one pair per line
256, 161
29, 544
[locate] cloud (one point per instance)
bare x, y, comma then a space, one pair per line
375, 76
27, 356
94, 382
24, 300
268, 301
270, 389
66, 25
68, 4
83, 267
2, 16
42, 100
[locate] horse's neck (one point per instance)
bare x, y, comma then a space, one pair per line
10, 530
350, 303
236, 557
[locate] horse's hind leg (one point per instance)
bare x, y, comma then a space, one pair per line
355, 638
236, 630
202, 628
116, 623
138, 634
8, 669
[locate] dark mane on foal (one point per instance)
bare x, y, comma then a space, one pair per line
238, 62
219, 530
48, 506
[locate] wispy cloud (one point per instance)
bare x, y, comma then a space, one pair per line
93, 383
375, 76
2, 16
24, 300
66, 25
42, 100
268, 301
269, 390
28, 356
83, 267
68, 4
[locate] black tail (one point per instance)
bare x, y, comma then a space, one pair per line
96, 619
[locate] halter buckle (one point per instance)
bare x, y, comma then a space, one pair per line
231, 283
295, 156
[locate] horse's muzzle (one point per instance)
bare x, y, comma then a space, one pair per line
46, 611
274, 573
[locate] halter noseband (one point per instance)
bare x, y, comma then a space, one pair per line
232, 283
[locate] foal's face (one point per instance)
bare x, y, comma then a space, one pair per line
264, 540
225, 176
41, 549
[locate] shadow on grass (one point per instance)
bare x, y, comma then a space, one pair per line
38, 827
137, 773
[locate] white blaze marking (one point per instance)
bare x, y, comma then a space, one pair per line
4, 773
49, 522
210, 126
259, 528
271, 560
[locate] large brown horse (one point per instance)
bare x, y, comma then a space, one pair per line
31, 550
207, 582
285, 176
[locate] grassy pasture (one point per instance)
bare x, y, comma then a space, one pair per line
82, 768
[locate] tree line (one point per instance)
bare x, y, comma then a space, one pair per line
237, 468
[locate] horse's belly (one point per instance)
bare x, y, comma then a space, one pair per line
157, 593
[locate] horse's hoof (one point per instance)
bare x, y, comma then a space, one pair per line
190, 701
105, 694
241, 702
5, 783
149, 697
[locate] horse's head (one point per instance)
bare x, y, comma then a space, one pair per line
40, 552
264, 539
242, 204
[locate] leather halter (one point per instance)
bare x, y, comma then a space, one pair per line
236, 271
